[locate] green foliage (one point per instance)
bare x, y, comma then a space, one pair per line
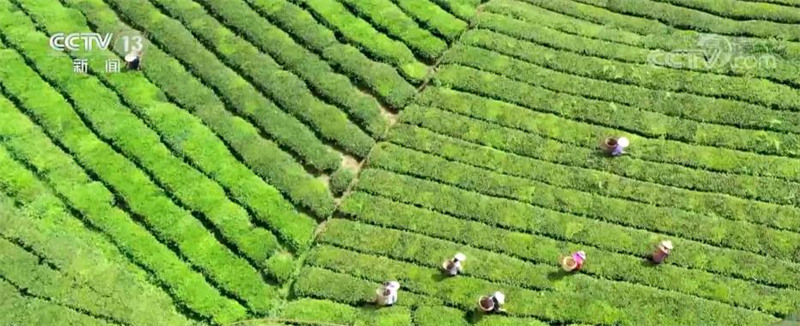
576, 298
362, 33
626, 118
385, 15
341, 179
190, 187
95, 203
285, 88
87, 271
264, 157
281, 266
379, 77
607, 263
315, 72
582, 37
464, 9
171, 223
439, 316
234, 89
537, 146
21, 310
331, 312
434, 18
596, 181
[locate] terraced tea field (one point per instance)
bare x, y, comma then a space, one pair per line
274, 161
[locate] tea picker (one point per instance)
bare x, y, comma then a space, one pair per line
453, 266
386, 295
492, 303
615, 146
573, 262
662, 251
133, 59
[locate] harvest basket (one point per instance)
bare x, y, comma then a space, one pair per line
485, 303
608, 144
568, 263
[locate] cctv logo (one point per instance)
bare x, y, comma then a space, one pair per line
72, 41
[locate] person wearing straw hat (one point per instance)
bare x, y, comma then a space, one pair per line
615, 146
493, 303
453, 266
573, 262
662, 251
386, 295
133, 59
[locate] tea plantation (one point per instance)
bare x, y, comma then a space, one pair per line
272, 162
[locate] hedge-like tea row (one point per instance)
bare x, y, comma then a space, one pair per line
42, 225
752, 90
286, 89
337, 313
541, 17
654, 34
578, 298
26, 310
113, 121
563, 150
517, 216
95, 204
654, 110
321, 283
581, 41
582, 109
413, 162
439, 316
388, 17
740, 10
22, 269
360, 32
186, 134
547, 35
314, 71
464, 9
682, 81
676, 16
598, 182
720, 232
433, 18
657, 31
264, 157
608, 265
172, 223
240, 95
379, 77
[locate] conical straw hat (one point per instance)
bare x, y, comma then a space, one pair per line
393, 285
461, 257
581, 254
623, 142
501, 298
667, 244
130, 57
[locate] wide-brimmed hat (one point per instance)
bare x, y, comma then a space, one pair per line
667, 244
623, 142
393, 285
460, 257
130, 57
581, 254
500, 297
